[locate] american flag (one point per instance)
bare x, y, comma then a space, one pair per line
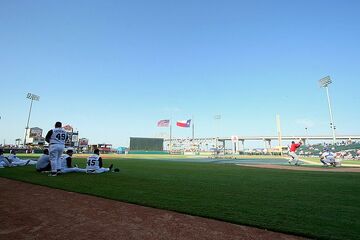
163, 123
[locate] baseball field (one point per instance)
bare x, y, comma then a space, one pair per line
313, 204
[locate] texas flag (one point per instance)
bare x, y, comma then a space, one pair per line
184, 123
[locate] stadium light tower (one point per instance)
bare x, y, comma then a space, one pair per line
217, 119
324, 82
32, 97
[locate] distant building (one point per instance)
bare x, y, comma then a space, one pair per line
83, 142
34, 136
103, 147
121, 150
73, 137
83, 145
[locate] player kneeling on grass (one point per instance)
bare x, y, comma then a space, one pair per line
94, 163
43, 163
328, 158
66, 163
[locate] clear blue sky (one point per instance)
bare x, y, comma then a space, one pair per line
112, 69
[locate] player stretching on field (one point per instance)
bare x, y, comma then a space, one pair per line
15, 161
43, 163
4, 161
94, 163
66, 163
56, 138
292, 153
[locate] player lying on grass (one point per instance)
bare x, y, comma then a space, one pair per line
94, 163
328, 158
66, 163
17, 161
6, 162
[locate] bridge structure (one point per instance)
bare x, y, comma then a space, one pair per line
236, 140
267, 139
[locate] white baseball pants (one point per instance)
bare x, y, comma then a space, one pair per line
55, 152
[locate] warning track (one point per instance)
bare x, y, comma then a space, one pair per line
35, 212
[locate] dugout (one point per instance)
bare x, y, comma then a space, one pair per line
140, 145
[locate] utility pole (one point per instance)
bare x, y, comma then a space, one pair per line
33, 97
278, 125
324, 82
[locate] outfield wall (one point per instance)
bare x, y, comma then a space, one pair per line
146, 144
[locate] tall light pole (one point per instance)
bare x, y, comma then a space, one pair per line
324, 82
217, 119
32, 97
278, 126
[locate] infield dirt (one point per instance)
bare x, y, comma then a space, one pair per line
35, 212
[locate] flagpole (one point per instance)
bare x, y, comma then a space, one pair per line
192, 127
170, 137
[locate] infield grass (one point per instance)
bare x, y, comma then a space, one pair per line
322, 205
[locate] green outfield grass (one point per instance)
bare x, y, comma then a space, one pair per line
322, 205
